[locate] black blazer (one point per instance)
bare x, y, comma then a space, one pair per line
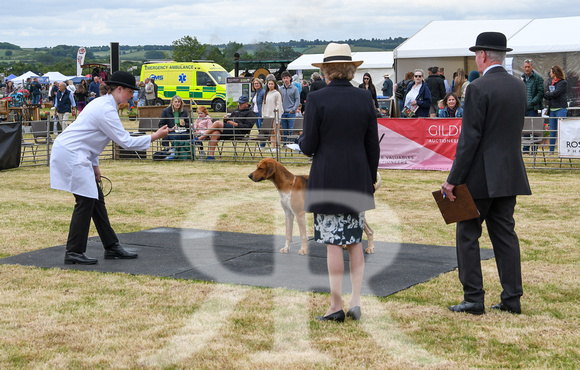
340, 131
488, 157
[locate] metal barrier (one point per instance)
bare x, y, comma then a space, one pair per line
258, 144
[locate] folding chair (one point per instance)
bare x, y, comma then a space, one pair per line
533, 135
263, 137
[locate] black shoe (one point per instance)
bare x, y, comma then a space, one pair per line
337, 316
116, 251
71, 258
469, 307
503, 307
354, 313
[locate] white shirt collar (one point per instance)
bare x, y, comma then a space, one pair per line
490, 67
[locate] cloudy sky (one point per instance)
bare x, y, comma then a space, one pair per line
43, 23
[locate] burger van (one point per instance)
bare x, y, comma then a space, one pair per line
201, 81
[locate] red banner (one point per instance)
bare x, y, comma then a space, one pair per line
418, 143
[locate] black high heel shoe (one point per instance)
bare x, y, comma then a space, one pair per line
337, 316
354, 313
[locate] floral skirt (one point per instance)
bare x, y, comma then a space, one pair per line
339, 229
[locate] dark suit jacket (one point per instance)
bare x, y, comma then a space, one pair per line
488, 157
340, 130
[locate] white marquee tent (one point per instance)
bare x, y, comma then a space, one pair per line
376, 63
20, 80
55, 76
446, 44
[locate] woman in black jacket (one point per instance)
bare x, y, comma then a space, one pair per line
368, 84
557, 102
340, 132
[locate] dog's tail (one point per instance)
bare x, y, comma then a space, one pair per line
379, 181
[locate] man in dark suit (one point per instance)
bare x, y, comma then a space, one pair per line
489, 161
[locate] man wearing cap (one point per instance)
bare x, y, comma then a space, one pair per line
387, 86
234, 127
488, 159
74, 167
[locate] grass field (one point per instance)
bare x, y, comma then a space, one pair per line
56, 318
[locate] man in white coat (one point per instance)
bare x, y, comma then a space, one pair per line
74, 167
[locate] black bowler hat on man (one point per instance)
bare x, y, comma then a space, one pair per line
122, 78
491, 41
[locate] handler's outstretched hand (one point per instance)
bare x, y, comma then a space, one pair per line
161, 133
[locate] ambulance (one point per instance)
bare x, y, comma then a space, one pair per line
201, 81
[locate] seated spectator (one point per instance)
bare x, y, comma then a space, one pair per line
203, 121
231, 128
451, 106
176, 118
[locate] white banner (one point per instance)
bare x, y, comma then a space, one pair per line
569, 138
80, 60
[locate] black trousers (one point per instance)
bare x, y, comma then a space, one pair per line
85, 210
498, 216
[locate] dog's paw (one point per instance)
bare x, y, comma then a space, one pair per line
303, 251
370, 250
284, 250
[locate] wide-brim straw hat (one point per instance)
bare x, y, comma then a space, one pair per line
337, 53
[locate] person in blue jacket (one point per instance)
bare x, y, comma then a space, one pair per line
418, 95
257, 100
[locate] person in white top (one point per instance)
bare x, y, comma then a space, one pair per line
272, 102
74, 167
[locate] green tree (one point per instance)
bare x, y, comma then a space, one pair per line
8, 53
154, 54
187, 49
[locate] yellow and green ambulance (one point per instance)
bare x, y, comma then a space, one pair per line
201, 81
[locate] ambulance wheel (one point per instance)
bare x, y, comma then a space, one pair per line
218, 105
159, 102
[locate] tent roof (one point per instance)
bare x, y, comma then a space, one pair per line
55, 76
372, 59
525, 36
24, 76
549, 35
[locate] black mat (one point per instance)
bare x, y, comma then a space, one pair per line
251, 259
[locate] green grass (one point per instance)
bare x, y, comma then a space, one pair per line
66, 318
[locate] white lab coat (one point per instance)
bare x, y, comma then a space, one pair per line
76, 150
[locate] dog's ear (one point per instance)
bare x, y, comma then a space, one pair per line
270, 169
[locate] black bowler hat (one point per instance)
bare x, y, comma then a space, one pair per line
491, 41
122, 78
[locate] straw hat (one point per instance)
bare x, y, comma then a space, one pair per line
337, 53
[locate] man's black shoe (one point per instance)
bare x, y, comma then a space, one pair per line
71, 258
116, 251
469, 307
503, 307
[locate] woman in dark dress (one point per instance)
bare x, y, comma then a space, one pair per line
368, 84
340, 132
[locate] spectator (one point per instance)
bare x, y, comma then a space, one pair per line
150, 94
272, 102
81, 94
437, 89
368, 85
534, 91
387, 86
317, 82
344, 169
95, 87
257, 100
52, 93
290, 102
442, 75
203, 121
451, 106
9, 89
35, 91
92, 96
141, 94
460, 84
401, 89
64, 104
175, 117
557, 102
71, 86
303, 95
234, 127
418, 97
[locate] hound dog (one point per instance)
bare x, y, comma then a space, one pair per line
292, 189
123, 106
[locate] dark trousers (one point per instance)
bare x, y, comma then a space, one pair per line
498, 216
85, 209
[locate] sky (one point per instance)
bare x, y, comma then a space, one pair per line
44, 23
